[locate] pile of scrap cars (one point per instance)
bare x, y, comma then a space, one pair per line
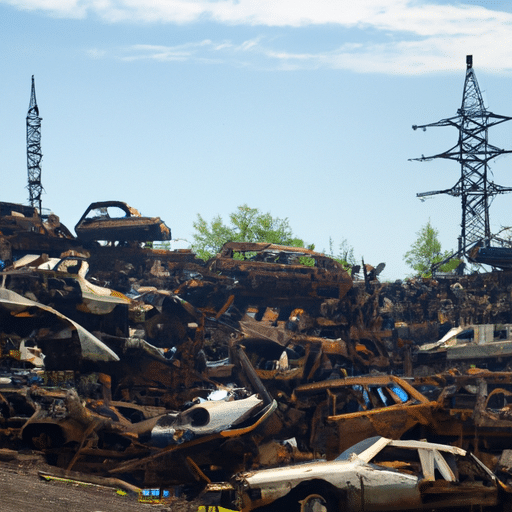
122, 360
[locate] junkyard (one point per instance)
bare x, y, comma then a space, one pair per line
265, 377
155, 370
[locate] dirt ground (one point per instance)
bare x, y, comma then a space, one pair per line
22, 490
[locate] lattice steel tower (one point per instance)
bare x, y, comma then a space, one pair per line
473, 152
34, 155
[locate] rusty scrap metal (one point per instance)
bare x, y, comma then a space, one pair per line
269, 330
261, 263
91, 347
97, 224
346, 411
377, 473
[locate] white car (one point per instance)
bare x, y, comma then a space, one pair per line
376, 474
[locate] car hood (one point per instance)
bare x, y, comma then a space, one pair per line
299, 472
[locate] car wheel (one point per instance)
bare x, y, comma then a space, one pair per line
316, 503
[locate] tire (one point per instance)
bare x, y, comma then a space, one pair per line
313, 503
310, 499
317, 502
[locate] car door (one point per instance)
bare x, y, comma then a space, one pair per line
452, 480
390, 481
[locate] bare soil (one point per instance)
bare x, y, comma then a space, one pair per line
22, 490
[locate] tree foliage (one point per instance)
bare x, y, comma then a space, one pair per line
245, 225
426, 251
345, 253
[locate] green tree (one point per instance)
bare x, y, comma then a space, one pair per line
246, 225
345, 253
426, 252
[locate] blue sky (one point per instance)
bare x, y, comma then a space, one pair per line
300, 108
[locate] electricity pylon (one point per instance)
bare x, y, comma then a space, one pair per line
474, 153
34, 155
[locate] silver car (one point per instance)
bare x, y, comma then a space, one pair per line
376, 474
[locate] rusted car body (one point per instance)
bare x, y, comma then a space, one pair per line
24, 230
277, 272
294, 319
63, 297
474, 409
375, 475
203, 418
500, 257
62, 419
343, 412
17, 217
116, 221
52, 327
72, 266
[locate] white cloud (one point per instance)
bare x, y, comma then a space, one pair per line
205, 50
97, 53
433, 54
164, 53
403, 15
394, 36
450, 20
60, 8
298, 12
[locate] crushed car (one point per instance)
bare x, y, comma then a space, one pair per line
55, 332
476, 406
342, 412
375, 474
303, 274
57, 286
17, 218
24, 230
116, 221
220, 411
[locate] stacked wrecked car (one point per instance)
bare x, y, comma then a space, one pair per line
122, 359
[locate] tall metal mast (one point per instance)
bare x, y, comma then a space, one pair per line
34, 155
473, 152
